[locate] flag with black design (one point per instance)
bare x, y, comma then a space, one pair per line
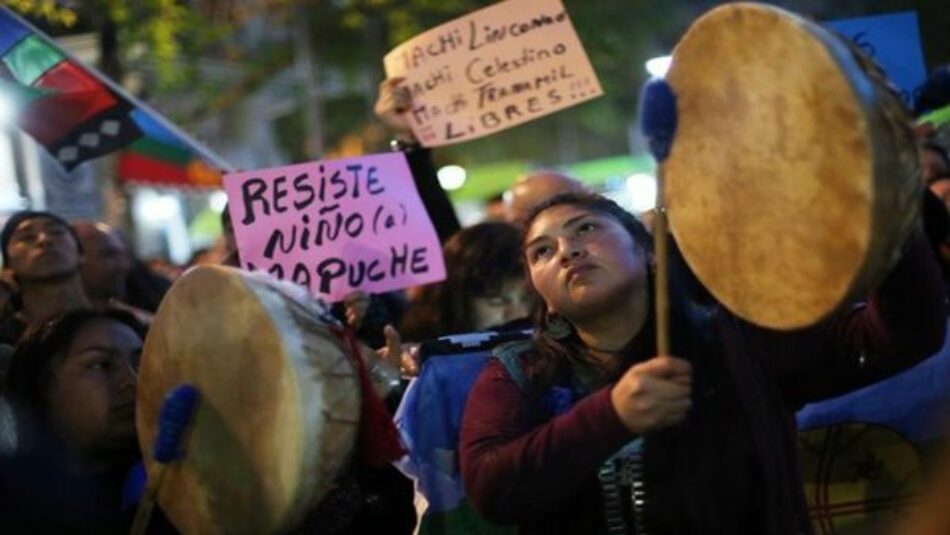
58, 101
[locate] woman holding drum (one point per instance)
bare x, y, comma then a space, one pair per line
586, 429
719, 454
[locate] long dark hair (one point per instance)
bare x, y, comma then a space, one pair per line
685, 493
552, 351
42, 347
478, 261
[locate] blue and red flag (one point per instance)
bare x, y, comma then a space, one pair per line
79, 115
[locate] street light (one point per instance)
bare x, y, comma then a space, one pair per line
641, 188
452, 177
658, 66
217, 201
7, 110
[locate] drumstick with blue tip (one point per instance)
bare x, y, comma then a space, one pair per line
173, 419
658, 120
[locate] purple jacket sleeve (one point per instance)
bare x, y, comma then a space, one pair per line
513, 467
900, 324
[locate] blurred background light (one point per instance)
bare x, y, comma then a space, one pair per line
641, 189
658, 66
7, 110
217, 201
452, 177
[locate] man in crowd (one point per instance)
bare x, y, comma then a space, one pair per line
41, 254
105, 265
530, 190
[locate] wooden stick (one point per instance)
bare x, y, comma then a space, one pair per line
174, 418
661, 281
144, 511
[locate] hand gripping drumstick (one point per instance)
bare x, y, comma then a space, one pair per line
658, 123
173, 418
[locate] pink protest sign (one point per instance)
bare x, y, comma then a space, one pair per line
495, 68
335, 226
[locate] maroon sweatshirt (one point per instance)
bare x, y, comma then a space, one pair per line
522, 466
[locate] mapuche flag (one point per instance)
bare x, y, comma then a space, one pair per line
60, 104
77, 115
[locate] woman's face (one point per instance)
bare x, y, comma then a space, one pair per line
511, 303
583, 262
92, 394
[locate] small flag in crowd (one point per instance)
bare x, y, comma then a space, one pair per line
78, 115
161, 158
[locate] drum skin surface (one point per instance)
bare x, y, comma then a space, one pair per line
278, 410
793, 177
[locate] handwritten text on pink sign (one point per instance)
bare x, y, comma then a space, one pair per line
335, 226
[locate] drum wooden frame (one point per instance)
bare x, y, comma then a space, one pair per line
793, 178
279, 404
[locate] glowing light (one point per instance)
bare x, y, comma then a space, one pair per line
642, 190
658, 66
451, 177
157, 208
217, 201
7, 110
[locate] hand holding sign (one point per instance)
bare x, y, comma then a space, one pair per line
496, 68
335, 226
393, 106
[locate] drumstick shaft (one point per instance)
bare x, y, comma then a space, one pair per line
144, 511
662, 300
177, 410
658, 120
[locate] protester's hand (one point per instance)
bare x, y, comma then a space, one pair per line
355, 305
391, 107
654, 394
402, 356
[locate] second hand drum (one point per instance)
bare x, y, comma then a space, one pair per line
280, 401
793, 179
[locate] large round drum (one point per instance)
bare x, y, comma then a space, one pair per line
279, 404
793, 178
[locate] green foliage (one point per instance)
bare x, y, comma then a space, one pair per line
47, 10
350, 37
170, 32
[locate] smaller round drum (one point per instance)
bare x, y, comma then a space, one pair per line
793, 178
279, 405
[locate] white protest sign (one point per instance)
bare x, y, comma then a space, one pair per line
490, 70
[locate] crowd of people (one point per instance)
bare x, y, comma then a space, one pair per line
553, 428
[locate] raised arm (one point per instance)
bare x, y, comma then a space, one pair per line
392, 105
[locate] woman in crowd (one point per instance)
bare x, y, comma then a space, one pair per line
66, 469
484, 285
71, 384
552, 428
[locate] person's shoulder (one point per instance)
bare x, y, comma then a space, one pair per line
511, 355
514, 349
